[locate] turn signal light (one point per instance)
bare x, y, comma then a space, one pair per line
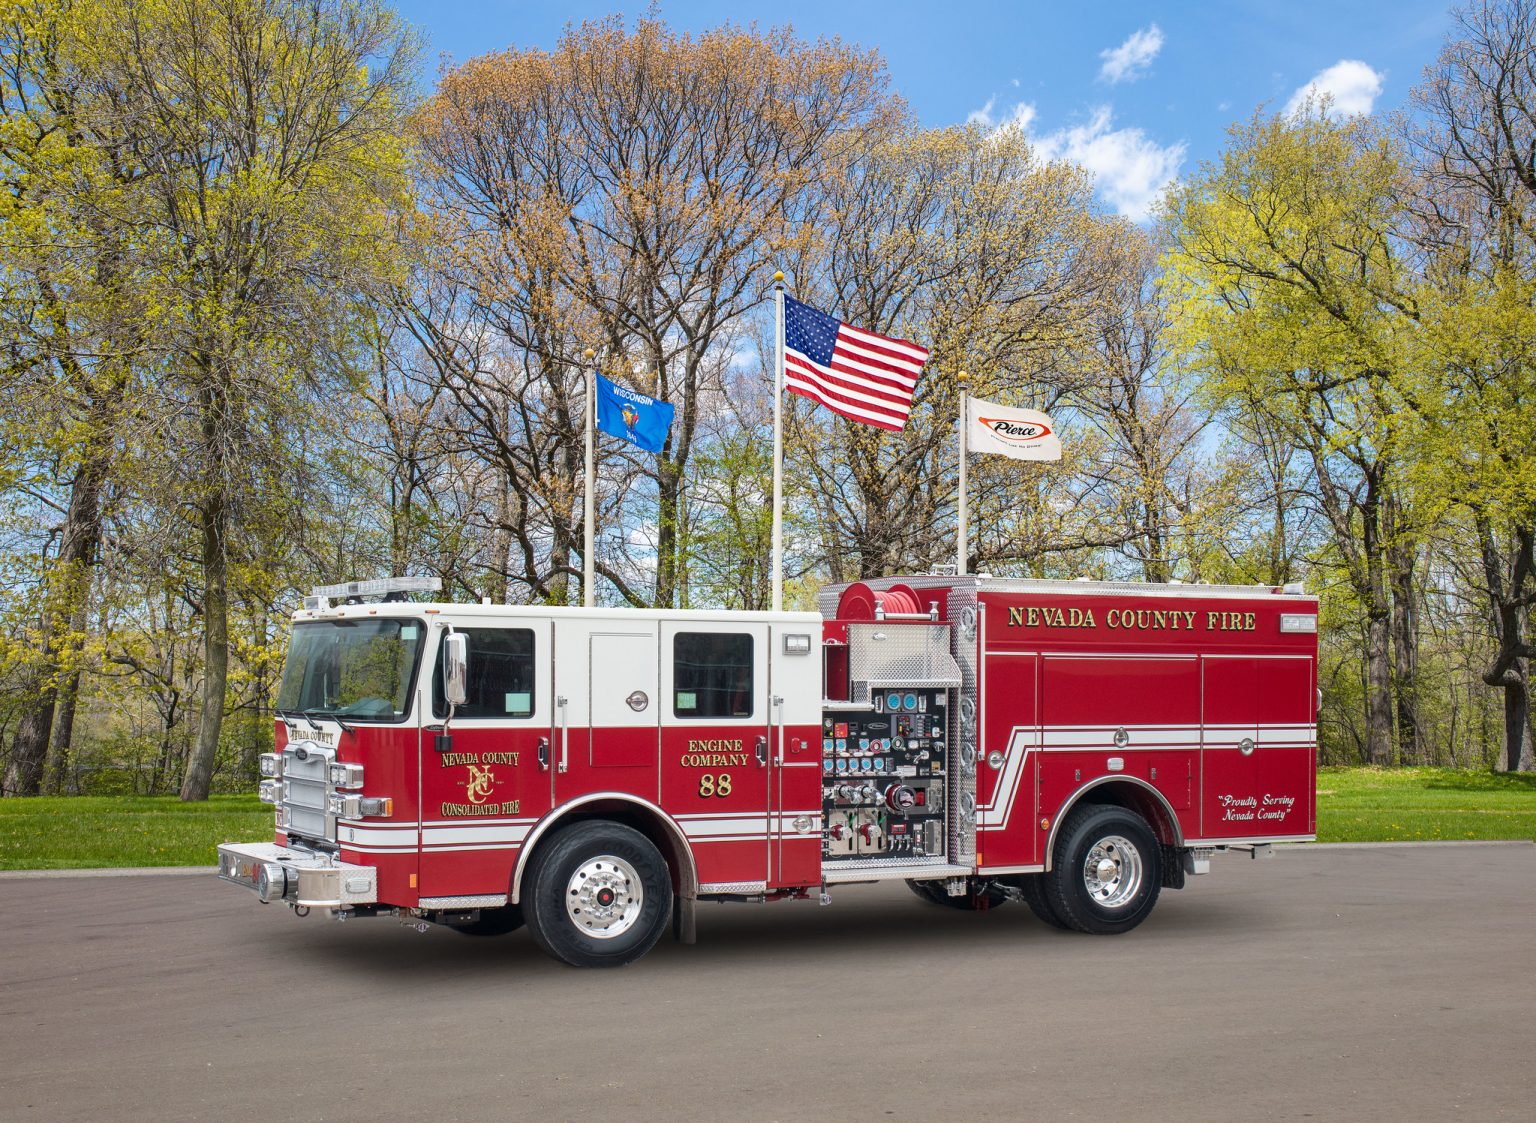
362, 806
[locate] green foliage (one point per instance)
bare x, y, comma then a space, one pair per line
1422, 804
49, 833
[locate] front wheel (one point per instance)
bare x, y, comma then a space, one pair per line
601, 895
1106, 870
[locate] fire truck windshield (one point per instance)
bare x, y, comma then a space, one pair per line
361, 670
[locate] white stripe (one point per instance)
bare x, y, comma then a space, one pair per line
918, 353
850, 354
1086, 738
446, 836
823, 380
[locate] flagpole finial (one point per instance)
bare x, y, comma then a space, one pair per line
964, 378
778, 278
589, 354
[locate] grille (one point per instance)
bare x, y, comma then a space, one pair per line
307, 791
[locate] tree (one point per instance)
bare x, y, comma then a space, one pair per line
268, 134
966, 241
1294, 294
1477, 221
623, 192
77, 322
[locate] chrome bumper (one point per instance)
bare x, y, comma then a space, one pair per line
278, 873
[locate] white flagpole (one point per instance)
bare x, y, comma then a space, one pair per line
965, 424
589, 503
778, 442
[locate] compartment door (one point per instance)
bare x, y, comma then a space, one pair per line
1258, 746
624, 709
1006, 761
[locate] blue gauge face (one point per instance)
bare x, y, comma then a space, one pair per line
893, 701
909, 702
879, 765
868, 765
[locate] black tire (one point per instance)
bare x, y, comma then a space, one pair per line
493, 922
924, 890
1118, 891
1032, 885
612, 924
979, 897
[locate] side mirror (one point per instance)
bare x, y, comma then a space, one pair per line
455, 669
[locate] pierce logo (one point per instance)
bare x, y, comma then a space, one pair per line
1015, 431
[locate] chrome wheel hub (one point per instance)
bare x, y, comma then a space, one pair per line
604, 896
1112, 871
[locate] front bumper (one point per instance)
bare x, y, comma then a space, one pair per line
300, 877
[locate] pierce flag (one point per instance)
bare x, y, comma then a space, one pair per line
631, 416
1024, 434
864, 376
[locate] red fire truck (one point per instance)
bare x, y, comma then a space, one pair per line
594, 773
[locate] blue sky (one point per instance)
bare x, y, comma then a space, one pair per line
1138, 93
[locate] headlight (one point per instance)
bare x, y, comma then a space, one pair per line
347, 775
271, 764
267, 791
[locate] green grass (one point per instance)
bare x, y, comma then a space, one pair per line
1422, 804
1353, 805
92, 832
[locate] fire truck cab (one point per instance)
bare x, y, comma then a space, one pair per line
594, 773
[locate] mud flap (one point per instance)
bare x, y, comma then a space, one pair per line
683, 929
1173, 867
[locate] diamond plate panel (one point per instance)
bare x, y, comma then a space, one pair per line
899, 654
484, 901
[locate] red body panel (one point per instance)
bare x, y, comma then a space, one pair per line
1202, 701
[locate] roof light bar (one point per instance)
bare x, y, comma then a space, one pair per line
381, 587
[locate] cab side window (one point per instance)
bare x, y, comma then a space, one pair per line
712, 675
501, 680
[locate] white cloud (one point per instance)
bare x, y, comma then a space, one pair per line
1131, 168
1020, 117
1130, 60
982, 116
1350, 86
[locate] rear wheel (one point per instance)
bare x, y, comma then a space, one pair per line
601, 895
1032, 885
1106, 870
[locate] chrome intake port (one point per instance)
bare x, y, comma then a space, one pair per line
272, 881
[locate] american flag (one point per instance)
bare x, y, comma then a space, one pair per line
861, 375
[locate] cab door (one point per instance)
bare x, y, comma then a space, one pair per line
486, 783
716, 747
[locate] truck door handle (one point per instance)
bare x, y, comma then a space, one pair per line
778, 708
762, 751
544, 753
564, 737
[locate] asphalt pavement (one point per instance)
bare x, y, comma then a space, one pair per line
1331, 983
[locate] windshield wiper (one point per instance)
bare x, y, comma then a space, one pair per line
345, 728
